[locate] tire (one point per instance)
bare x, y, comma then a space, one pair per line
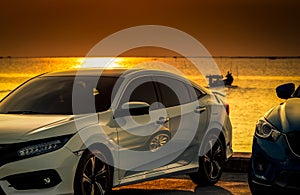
93, 175
158, 140
211, 164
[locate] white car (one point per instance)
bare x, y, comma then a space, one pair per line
87, 131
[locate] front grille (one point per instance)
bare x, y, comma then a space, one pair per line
5, 150
1, 191
2, 146
293, 139
8, 153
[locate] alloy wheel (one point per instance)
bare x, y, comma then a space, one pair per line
95, 176
213, 159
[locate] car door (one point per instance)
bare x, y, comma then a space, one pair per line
187, 116
135, 129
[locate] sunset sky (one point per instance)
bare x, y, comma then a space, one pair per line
224, 27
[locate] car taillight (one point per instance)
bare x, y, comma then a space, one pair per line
227, 108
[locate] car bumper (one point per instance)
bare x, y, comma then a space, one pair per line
51, 173
274, 166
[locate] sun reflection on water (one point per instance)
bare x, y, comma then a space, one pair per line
98, 62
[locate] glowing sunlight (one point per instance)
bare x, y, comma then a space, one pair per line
101, 62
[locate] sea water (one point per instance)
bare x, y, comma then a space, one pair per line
255, 80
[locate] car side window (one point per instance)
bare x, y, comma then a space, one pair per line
141, 90
196, 94
173, 91
144, 93
103, 93
297, 92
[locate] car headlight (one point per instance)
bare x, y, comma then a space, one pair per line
19, 151
266, 131
34, 148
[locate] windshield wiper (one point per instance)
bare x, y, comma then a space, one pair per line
24, 112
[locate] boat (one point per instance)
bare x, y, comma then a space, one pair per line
219, 81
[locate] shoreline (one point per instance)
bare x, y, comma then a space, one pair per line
238, 57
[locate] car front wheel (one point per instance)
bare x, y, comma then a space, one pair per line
210, 164
93, 176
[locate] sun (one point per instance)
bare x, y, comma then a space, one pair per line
98, 62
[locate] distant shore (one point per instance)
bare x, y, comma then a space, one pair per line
254, 57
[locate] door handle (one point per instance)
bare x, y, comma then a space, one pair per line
200, 109
162, 120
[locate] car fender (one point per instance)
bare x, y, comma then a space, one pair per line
216, 129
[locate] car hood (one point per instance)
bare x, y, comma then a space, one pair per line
286, 116
15, 127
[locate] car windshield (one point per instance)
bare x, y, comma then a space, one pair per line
54, 94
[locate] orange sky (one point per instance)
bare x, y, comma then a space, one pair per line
225, 28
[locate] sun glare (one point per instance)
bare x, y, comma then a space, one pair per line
98, 62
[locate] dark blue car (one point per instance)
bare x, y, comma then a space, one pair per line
275, 161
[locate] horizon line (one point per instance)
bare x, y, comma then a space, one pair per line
167, 56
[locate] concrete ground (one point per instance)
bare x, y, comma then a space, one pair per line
233, 181
230, 183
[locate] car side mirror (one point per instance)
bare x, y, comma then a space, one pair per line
135, 108
285, 91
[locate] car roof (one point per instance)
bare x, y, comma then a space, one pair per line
110, 72
115, 72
